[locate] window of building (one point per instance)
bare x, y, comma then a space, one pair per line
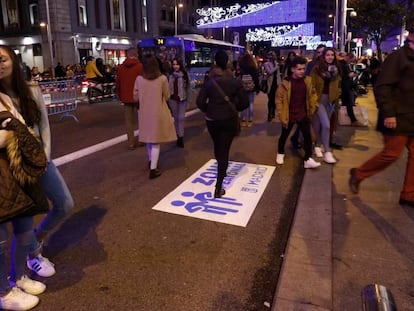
11, 16
34, 14
117, 8
163, 15
82, 12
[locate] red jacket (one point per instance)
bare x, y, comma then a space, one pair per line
125, 79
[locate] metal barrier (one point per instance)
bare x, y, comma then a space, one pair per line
60, 97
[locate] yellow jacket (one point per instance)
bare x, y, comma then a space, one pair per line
334, 85
283, 100
91, 70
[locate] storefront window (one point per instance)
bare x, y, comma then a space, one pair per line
114, 57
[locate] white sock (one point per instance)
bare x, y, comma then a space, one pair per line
154, 155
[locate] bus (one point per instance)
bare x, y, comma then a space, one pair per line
196, 51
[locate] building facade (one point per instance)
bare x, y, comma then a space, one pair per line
46, 32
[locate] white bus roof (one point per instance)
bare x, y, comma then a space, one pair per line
201, 38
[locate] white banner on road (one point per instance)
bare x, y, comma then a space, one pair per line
244, 185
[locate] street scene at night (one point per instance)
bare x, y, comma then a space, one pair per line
207, 155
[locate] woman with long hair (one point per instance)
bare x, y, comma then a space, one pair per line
178, 82
249, 74
28, 100
327, 81
18, 291
288, 64
155, 121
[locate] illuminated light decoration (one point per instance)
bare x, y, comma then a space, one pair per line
275, 12
269, 33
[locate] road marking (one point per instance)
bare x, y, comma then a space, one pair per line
101, 146
245, 184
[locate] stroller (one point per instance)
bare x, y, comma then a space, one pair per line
359, 84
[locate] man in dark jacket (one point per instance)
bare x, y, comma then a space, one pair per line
347, 86
125, 79
394, 91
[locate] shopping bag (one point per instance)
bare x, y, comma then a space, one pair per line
361, 114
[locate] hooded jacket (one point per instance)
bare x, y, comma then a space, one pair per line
125, 79
394, 91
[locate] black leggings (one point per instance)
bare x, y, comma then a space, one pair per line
304, 126
222, 132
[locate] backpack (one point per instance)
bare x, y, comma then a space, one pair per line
248, 83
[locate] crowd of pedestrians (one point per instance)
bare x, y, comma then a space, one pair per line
154, 93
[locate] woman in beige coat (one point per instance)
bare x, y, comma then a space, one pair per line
155, 120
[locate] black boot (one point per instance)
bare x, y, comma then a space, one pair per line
218, 193
180, 142
154, 173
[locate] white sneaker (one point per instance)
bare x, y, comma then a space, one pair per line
41, 266
311, 163
329, 158
318, 152
18, 300
280, 158
30, 286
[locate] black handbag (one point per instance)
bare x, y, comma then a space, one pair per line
263, 86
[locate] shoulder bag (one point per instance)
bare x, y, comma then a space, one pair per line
232, 106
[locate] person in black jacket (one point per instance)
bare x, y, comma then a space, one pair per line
220, 98
347, 86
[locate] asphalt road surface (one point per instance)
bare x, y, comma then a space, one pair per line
114, 252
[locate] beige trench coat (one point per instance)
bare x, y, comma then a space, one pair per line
155, 120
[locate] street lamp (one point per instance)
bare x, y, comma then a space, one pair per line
49, 39
49, 36
334, 31
176, 6
345, 9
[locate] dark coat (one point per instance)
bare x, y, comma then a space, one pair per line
394, 92
213, 104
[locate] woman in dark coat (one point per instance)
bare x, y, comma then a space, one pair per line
221, 114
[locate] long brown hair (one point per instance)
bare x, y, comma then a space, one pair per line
19, 86
322, 65
182, 68
151, 67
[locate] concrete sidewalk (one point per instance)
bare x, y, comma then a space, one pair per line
340, 242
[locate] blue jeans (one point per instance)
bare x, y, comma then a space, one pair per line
24, 234
247, 114
58, 193
321, 122
178, 111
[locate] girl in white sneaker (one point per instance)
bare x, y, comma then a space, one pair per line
327, 82
28, 100
16, 292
